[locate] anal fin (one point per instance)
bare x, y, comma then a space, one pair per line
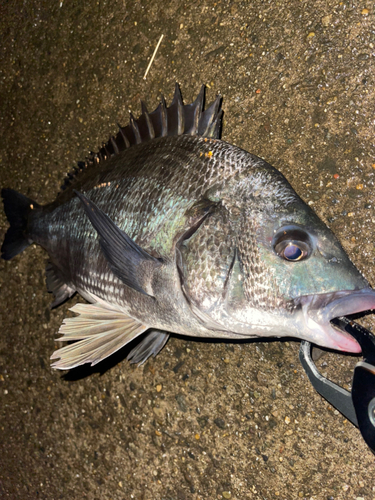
99, 330
152, 344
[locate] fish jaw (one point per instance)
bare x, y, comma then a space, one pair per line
313, 320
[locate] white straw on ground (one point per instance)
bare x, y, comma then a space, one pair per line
153, 57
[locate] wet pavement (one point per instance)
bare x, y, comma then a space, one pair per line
201, 420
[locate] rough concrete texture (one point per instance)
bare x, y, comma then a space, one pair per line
201, 420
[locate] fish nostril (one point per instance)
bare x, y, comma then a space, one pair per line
329, 256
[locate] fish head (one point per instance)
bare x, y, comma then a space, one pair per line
287, 275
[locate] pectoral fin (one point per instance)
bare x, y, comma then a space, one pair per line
100, 331
128, 261
57, 285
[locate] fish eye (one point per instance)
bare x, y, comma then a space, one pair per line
293, 252
292, 244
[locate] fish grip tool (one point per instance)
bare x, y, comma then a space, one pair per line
358, 406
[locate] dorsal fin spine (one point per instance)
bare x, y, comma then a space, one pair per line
181, 120
197, 117
209, 118
114, 145
134, 126
106, 152
150, 126
123, 136
178, 107
196, 109
164, 119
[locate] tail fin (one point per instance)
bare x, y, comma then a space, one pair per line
17, 208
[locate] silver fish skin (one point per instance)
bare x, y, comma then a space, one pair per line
169, 229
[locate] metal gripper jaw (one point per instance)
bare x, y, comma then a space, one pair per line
358, 406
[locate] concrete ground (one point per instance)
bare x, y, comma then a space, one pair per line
201, 420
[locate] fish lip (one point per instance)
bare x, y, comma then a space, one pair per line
319, 309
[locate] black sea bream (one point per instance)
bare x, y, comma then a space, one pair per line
170, 230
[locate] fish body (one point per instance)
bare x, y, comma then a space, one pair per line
169, 229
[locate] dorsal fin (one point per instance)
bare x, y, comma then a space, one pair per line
177, 119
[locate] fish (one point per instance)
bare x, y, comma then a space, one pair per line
168, 229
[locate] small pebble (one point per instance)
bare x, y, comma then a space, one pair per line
181, 401
332, 100
365, 12
287, 420
326, 20
220, 423
159, 388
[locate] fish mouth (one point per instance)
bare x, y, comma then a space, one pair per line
318, 311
